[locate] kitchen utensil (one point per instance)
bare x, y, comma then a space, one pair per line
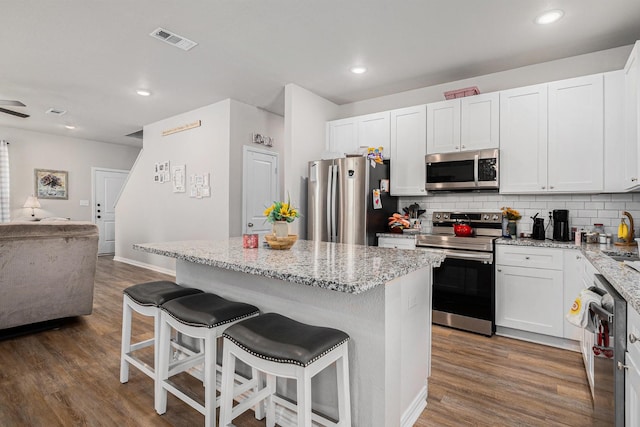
561, 225
462, 229
538, 228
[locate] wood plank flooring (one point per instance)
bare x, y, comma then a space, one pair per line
70, 376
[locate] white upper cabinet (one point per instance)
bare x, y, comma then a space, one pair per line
443, 126
353, 135
342, 136
614, 145
576, 135
408, 149
552, 137
469, 123
632, 118
523, 139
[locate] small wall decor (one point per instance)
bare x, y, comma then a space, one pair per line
51, 184
267, 141
178, 178
162, 173
184, 127
199, 186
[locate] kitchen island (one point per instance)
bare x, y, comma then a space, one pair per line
380, 297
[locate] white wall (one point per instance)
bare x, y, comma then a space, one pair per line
581, 65
305, 120
33, 150
151, 212
245, 121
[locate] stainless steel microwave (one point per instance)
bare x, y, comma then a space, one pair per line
466, 170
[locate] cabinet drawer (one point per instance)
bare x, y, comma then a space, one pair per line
529, 257
633, 328
396, 242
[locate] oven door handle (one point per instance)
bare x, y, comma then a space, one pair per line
485, 257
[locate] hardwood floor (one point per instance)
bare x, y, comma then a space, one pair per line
70, 376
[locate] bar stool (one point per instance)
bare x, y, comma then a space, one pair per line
279, 346
145, 298
204, 316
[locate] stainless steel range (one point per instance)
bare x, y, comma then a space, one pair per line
464, 284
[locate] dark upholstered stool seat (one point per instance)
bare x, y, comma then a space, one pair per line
207, 310
279, 339
157, 293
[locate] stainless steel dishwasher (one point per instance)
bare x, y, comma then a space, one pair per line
609, 347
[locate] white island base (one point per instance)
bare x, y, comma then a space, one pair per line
389, 326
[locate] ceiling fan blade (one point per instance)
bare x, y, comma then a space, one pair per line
14, 113
12, 103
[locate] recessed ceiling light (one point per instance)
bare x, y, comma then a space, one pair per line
70, 127
358, 70
143, 92
549, 17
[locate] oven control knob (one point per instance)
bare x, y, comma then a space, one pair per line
486, 217
495, 217
445, 216
437, 216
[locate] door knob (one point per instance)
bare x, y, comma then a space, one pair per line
98, 204
622, 366
250, 224
98, 216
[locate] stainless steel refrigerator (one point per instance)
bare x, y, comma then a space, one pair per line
341, 200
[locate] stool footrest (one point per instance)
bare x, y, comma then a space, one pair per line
140, 345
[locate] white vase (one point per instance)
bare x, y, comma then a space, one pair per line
281, 228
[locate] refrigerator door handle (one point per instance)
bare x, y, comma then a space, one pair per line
334, 224
328, 205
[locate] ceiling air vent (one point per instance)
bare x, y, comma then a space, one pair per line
55, 111
172, 38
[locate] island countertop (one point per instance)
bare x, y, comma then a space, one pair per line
339, 267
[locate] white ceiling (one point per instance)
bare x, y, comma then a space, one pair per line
88, 57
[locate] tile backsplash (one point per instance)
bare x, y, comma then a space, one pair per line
584, 209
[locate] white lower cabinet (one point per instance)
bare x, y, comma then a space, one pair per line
632, 391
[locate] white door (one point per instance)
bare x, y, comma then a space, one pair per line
408, 147
480, 124
107, 186
260, 188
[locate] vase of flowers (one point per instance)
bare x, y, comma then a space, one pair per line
512, 216
280, 214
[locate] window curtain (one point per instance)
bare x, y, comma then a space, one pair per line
4, 181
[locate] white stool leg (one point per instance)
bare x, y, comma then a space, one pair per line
344, 395
126, 340
163, 343
226, 399
271, 406
210, 378
257, 376
304, 397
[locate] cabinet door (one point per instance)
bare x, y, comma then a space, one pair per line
373, 131
523, 140
572, 285
396, 243
443, 126
529, 299
408, 148
614, 144
342, 136
632, 391
576, 134
632, 118
480, 123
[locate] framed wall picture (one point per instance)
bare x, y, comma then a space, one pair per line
51, 184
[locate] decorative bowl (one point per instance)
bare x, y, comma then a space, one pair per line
280, 243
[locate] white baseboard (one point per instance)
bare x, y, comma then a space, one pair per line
557, 342
145, 265
414, 410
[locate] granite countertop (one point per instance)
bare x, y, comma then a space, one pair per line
624, 279
339, 267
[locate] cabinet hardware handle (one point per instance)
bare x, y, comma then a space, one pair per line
621, 366
551, 187
634, 179
578, 257
632, 338
526, 257
464, 146
543, 187
499, 270
250, 224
